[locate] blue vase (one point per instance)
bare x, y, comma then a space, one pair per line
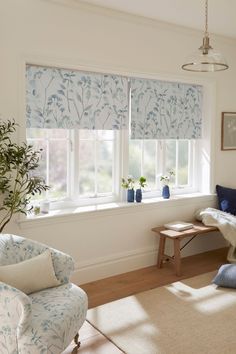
138, 195
130, 195
166, 192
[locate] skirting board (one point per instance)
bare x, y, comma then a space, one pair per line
104, 267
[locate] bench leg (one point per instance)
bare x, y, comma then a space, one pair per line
177, 257
76, 340
161, 251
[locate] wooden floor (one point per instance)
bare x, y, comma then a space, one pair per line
113, 288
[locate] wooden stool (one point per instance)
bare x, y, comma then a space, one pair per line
176, 236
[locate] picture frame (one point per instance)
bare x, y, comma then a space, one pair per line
228, 131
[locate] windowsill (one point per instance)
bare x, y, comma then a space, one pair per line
91, 211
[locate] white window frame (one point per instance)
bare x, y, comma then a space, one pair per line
72, 198
120, 169
160, 169
203, 158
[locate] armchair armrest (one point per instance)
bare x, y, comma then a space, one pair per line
15, 316
63, 265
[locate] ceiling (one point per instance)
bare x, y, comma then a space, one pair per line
189, 13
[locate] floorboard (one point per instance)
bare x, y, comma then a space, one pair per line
119, 286
113, 288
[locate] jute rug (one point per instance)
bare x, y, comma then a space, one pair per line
191, 316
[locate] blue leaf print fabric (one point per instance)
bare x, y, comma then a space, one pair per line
60, 98
165, 110
44, 322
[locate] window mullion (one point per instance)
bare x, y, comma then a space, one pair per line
72, 165
124, 161
142, 156
162, 160
47, 163
191, 163
177, 164
117, 163
95, 164
156, 163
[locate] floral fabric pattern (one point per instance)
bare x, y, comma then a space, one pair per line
15, 314
44, 322
15, 249
165, 110
60, 98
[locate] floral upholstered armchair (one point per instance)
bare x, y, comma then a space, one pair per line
44, 322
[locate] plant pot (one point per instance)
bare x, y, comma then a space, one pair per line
130, 195
138, 195
166, 192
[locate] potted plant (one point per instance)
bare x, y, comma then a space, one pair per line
142, 183
165, 182
129, 185
17, 182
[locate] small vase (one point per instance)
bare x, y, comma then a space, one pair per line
45, 206
138, 195
130, 195
166, 192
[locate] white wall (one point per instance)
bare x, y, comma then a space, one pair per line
46, 32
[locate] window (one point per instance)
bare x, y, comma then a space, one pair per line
82, 166
95, 160
54, 166
77, 164
153, 158
77, 119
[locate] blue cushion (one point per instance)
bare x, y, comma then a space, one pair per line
226, 199
226, 276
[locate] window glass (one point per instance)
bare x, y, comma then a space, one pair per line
153, 158
86, 168
150, 162
58, 163
42, 169
170, 158
104, 166
135, 158
183, 162
91, 153
53, 164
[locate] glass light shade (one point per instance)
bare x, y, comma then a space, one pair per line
205, 59
212, 61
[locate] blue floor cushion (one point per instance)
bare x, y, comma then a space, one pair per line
226, 276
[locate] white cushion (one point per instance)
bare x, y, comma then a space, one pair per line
32, 275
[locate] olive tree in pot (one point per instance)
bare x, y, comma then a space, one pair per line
17, 182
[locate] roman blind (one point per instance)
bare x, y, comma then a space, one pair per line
165, 110
69, 99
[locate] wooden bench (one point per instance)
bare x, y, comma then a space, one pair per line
176, 236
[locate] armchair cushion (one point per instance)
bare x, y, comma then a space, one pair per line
14, 249
34, 274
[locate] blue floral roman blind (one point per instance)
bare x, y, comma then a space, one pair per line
165, 110
60, 98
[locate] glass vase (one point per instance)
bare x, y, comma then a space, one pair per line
130, 195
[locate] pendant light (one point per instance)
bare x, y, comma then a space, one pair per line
205, 59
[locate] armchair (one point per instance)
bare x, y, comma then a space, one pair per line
44, 322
